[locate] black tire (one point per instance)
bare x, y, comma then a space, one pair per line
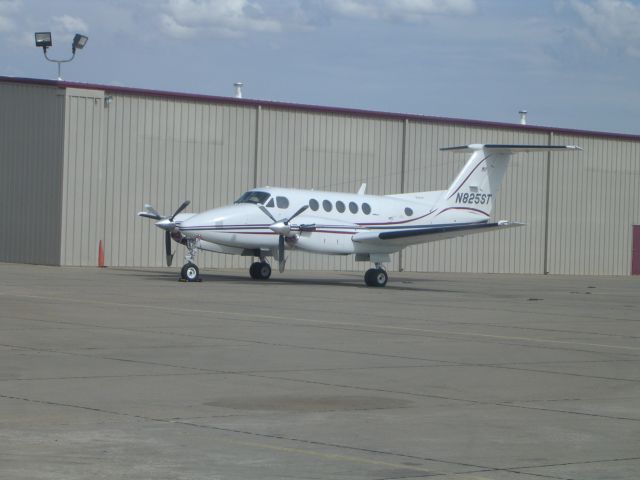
263, 270
376, 277
260, 270
190, 272
254, 270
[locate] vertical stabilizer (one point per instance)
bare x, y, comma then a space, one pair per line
474, 189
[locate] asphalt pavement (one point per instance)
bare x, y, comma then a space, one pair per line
128, 373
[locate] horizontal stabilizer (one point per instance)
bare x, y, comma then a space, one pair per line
508, 149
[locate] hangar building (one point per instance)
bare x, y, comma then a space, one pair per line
78, 161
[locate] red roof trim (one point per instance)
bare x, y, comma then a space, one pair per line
318, 109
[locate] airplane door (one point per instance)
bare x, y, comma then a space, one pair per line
635, 254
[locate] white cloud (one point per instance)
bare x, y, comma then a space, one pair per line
404, 10
186, 18
610, 24
8, 9
70, 24
10, 6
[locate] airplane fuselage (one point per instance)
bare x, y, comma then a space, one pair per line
328, 226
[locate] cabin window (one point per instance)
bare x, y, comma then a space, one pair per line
366, 208
270, 204
340, 206
314, 205
282, 202
408, 212
253, 196
353, 207
326, 204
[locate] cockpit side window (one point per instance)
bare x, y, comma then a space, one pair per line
282, 202
254, 196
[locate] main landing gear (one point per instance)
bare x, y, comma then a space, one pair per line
260, 270
376, 277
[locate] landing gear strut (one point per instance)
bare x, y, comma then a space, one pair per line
376, 277
190, 271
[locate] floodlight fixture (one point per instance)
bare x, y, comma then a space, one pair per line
43, 39
79, 41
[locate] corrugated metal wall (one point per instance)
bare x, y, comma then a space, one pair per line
162, 149
83, 222
595, 200
31, 152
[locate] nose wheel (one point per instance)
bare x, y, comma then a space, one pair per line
190, 273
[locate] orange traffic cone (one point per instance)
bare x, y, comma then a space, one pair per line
100, 254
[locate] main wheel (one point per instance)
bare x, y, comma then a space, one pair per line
376, 277
264, 271
253, 270
190, 272
260, 270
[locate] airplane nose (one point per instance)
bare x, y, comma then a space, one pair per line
190, 226
166, 224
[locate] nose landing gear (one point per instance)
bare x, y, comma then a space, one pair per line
190, 271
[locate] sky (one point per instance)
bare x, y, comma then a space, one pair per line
569, 63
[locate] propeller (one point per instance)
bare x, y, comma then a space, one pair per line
165, 223
283, 228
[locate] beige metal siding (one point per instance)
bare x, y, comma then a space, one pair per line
84, 176
163, 151
595, 199
31, 150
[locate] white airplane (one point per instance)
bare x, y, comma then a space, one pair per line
371, 227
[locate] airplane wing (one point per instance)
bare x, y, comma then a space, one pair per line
412, 236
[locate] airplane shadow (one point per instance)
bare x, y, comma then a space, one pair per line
405, 284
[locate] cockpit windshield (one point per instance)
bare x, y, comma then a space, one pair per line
253, 196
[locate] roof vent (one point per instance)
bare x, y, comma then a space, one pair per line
238, 89
523, 117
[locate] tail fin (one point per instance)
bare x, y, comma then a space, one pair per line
477, 184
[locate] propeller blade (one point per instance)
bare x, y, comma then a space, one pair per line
267, 213
167, 246
300, 210
281, 260
184, 205
149, 212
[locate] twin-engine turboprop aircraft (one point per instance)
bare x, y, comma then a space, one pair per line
266, 222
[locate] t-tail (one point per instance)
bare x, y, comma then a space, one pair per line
474, 190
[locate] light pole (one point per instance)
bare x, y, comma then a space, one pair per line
43, 39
